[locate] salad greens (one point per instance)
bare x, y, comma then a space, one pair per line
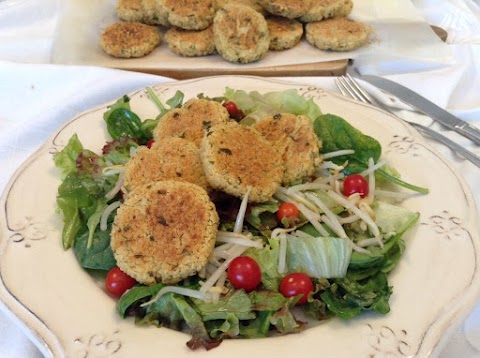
346, 281
257, 106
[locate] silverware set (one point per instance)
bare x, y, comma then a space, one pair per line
349, 87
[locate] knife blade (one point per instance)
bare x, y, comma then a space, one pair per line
425, 106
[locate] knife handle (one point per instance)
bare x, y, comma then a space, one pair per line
475, 159
469, 131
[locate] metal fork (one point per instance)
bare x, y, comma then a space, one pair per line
351, 88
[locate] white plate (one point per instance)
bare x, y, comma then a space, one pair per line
68, 313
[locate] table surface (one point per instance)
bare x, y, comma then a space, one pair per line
27, 77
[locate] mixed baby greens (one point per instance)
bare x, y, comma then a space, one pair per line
345, 282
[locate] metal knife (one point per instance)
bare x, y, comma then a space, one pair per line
423, 105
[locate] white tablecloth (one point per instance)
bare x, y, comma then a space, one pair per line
35, 98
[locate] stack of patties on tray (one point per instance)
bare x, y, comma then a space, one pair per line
166, 227
241, 31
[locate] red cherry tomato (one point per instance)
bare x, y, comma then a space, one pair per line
355, 183
288, 210
233, 110
150, 143
244, 272
117, 282
295, 284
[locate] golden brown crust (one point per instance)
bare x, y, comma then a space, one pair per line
290, 9
326, 9
191, 43
170, 159
240, 34
191, 121
218, 4
154, 12
164, 232
337, 34
295, 139
236, 157
284, 33
129, 39
130, 10
190, 14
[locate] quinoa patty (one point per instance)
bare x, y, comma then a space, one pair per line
295, 138
169, 159
252, 3
284, 33
236, 157
191, 120
164, 232
154, 12
240, 34
191, 43
290, 9
190, 15
130, 10
326, 9
129, 39
337, 34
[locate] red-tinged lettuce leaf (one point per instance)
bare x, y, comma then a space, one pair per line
173, 311
237, 303
284, 321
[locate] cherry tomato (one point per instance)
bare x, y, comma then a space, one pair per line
244, 272
150, 143
355, 183
117, 282
295, 284
288, 210
233, 110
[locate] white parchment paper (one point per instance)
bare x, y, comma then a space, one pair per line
400, 33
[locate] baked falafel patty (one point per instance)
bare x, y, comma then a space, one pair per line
337, 34
295, 138
240, 34
170, 159
191, 121
154, 13
164, 232
129, 39
190, 15
326, 9
191, 43
236, 157
284, 33
130, 10
218, 4
290, 9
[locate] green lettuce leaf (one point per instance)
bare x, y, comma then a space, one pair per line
267, 259
99, 256
258, 327
228, 328
390, 219
257, 106
337, 134
136, 294
347, 298
237, 303
65, 160
318, 256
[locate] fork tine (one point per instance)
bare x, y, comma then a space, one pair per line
353, 89
359, 89
341, 87
346, 87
